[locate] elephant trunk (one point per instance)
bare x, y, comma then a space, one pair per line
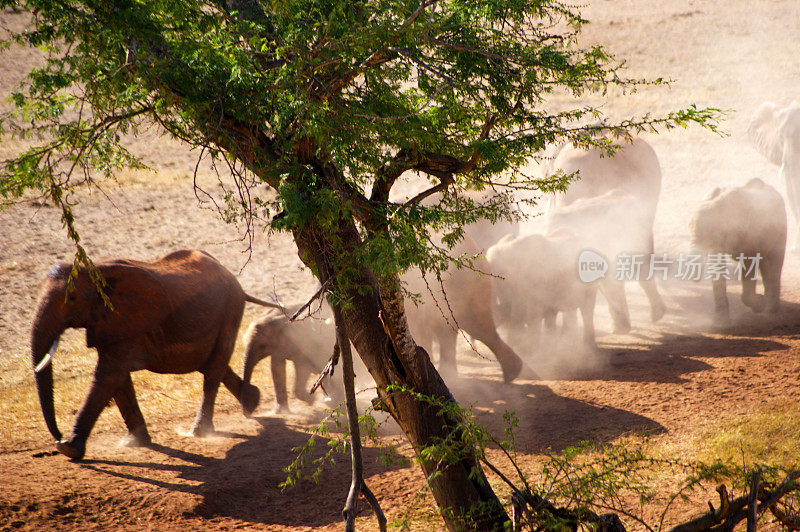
44, 386
250, 395
251, 358
42, 339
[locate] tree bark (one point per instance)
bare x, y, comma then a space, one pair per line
461, 490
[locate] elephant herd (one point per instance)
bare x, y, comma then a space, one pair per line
181, 313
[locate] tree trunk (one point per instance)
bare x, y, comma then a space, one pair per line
461, 490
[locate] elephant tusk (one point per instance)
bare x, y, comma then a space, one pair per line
47, 358
548, 205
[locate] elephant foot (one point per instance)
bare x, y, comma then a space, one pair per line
71, 449
202, 429
136, 438
774, 308
511, 369
756, 303
721, 320
303, 395
657, 311
622, 328
250, 396
280, 409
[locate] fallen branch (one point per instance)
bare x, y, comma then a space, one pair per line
752, 505
731, 513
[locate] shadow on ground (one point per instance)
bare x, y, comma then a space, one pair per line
244, 485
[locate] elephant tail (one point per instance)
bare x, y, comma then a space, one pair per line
270, 304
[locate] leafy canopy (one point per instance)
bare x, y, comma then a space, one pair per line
327, 102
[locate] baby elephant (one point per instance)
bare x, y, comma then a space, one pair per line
748, 223
306, 342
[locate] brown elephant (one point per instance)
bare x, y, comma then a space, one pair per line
463, 301
307, 342
747, 222
178, 314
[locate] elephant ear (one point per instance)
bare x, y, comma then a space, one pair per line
140, 305
764, 131
789, 129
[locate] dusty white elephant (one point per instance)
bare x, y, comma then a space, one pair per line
619, 227
462, 301
747, 221
307, 342
775, 131
634, 169
537, 280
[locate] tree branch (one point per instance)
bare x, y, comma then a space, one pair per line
422, 7
313, 298
730, 513
362, 208
357, 484
388, 173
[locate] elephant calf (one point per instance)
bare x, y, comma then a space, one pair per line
178, 314
308, 343
749, 222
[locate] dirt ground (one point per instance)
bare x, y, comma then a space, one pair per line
675, 380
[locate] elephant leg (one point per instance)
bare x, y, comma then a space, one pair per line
302, 372
614, 292
721, 307
756, 302
483, 329
204, 422
534, 332
247, 394
587, 317
657, 306
447, 339
569, 322
770, 268
278, 368
550, 331
108, 379
129, 408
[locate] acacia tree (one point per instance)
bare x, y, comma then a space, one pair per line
329, 103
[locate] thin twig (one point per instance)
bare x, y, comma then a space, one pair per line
307, 304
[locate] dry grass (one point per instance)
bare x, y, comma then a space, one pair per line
768, 435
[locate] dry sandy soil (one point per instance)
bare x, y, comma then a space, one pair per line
676, 380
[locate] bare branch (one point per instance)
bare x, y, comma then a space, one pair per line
357, 484
422, 7
446, 182
313, 298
